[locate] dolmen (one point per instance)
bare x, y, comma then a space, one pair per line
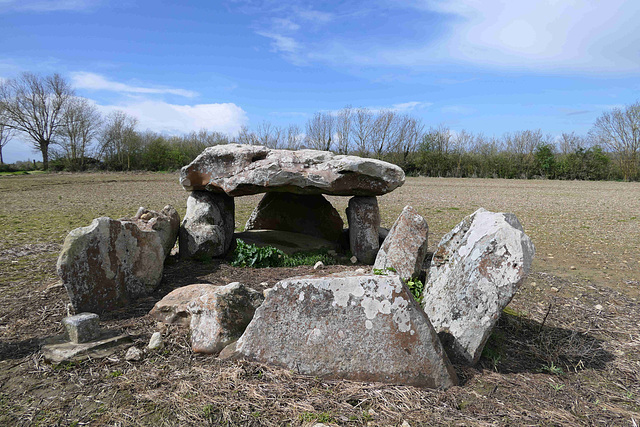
295, 183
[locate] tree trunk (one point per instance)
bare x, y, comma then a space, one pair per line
44, 148
1, 160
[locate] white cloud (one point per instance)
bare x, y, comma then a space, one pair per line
92, 81
168, 118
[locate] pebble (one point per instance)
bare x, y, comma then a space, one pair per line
353, 259
554, 289
598, 307
361, 271
156, 341
573, 267
318, 265
133, 354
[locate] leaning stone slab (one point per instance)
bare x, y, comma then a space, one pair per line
240, 170
356, 327
166, 223
405, 246
220, 315
476, 270
363, 216
83, 327
111, 262
207, 228
310, 214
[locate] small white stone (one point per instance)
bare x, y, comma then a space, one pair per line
318, 265
554, 289
598, 307
155, 342
360, 271
573, 267
353, 259
133, 354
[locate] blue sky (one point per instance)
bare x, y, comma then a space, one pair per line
486, 66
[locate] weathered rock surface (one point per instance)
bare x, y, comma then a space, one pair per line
363, 216
405, 246
476, 269
310, 214
207, 228
363, 328
83, 327
166, 223
220, 316
172, 309
107, 264
240, 170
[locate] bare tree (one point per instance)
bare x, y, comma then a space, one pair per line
384, 132
363, 127
438, 139
570, 142
320, 131
409, 134
35, 105
294, 137
619, 130
344, 123
80, 125
6, 134
245, 136
119, 141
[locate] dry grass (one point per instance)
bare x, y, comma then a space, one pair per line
566, 353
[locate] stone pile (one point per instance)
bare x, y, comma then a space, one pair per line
295, 183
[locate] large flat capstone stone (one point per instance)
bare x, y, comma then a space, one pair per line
240, 170
476, 270
363, 328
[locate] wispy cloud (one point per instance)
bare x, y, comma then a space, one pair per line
47, 5
549, 36
92, 81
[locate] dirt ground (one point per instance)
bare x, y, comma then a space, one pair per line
565, 352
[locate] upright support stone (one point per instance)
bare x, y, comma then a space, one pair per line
207, 228
363, 216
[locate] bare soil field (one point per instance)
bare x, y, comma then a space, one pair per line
565, 352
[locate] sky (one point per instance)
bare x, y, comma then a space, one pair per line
485, 66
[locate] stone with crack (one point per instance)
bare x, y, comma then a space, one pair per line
109, 263
476, 270
356, 327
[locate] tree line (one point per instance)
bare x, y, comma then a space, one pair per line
71, 134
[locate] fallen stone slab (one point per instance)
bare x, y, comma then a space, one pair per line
240, 170
475, 271
309, 214
363, 216
109, 263
59, 349
405, 246
207, 227
356, 327
220, 315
